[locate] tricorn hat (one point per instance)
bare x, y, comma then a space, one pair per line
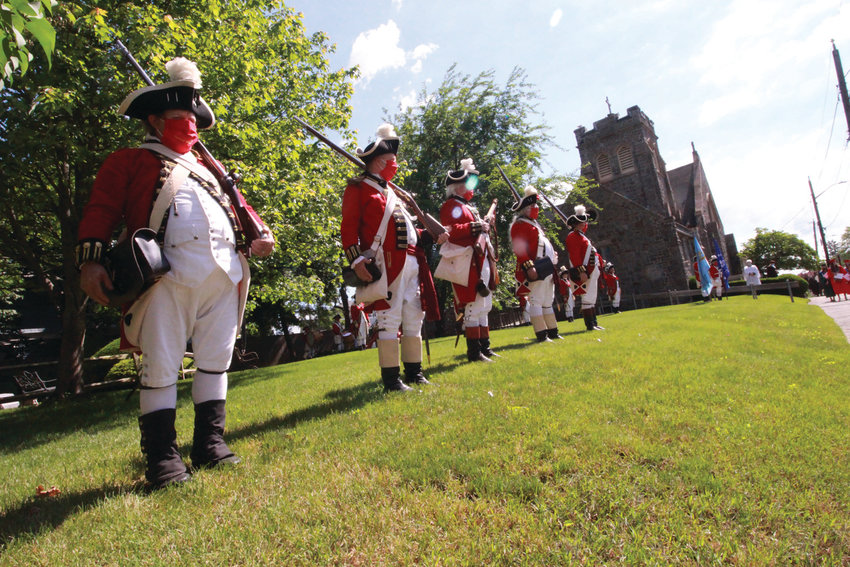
386, 142
529, 198
181, 93
467, 169
581, 215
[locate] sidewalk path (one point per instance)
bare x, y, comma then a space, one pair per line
838, 310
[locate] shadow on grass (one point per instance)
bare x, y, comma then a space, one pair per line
26, 428
33, 516
335, 401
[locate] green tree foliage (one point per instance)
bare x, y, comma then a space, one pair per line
844, 244
495, 124
788, 250
20, 20
258, 67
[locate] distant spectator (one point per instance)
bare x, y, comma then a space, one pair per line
770, 271
752, 277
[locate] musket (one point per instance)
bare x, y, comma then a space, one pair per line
251, 228
510, 185
558, 211
431, 224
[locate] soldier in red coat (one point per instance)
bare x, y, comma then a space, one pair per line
411, 294
582, 264
164, 184
468, 229
716, 275
336, 329
359, 326
535, 254
612, 286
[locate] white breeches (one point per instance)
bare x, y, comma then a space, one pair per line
588, 300
718, 286
208, 314
540, 296
615, 301
405, 304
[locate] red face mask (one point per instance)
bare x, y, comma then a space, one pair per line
533, 212
389, 170
179, 134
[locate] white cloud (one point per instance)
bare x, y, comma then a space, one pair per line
423, 50
408, 100
556, 18
757, 50
419, 54
377, 49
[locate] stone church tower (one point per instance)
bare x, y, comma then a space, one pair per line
648, 214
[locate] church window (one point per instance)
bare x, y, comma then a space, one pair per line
627, 161
603, 165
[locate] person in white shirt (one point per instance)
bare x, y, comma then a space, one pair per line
752, 277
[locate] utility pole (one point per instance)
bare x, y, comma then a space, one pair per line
815, 237
842, 85
820, 226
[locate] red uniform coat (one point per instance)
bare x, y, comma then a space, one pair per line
363, 205
355, 312
525, 240
464, 226
714, 271
612, 282
576, 245
123, 191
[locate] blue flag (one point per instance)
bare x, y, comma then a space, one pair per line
702, 265
724, 269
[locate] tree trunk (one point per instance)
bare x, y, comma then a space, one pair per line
346, 312
73, 337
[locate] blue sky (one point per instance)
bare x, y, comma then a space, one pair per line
750, 82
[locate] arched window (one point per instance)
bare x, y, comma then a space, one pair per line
627, 161
603, 165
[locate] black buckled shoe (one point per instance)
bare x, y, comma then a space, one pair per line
392, 380
413, 373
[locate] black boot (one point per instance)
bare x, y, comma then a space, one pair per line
208, 446
596, 326
484, 347
159, 446
588, 319
553, 333
392, 380
543, 336
473, 351
413, 373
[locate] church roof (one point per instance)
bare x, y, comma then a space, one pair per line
682, 185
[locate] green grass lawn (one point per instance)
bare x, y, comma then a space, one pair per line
698, 434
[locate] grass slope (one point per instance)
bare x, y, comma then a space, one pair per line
696, 434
